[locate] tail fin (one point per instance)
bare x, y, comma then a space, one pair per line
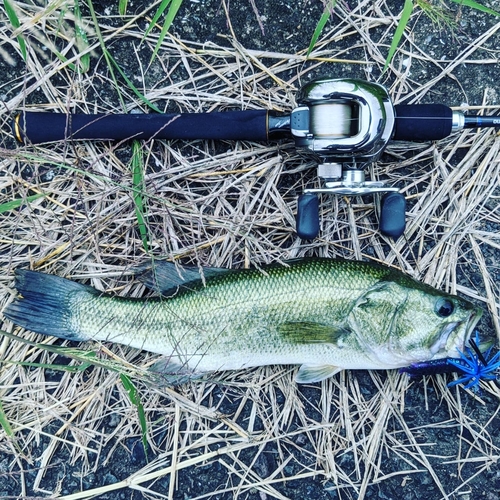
44, 304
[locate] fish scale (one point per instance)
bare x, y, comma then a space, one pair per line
324, 314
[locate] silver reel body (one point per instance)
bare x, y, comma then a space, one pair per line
345, 120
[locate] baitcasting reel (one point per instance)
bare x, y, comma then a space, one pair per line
345, 123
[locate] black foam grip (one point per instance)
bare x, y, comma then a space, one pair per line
393, 215
422, 122
35, 128
307, 216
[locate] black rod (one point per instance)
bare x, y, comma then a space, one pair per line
481, 121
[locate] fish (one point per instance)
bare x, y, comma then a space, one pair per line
325, 315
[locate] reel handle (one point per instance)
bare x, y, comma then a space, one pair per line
392, 215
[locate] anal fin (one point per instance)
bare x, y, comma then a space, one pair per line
171, 373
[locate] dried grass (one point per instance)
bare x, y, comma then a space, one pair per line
233, 205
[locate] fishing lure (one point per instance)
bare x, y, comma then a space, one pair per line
475, 365
472, 364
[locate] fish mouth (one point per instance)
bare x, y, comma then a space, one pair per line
452, 344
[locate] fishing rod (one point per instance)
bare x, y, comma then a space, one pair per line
344, 123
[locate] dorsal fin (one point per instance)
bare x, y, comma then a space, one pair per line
166, 277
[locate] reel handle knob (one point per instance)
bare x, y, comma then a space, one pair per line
307, 221
392, 215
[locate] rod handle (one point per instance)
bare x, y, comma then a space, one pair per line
422, 122
39, 127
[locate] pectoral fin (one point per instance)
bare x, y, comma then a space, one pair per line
309, 332
309, 374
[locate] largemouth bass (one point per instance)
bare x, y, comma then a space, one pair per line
323, 314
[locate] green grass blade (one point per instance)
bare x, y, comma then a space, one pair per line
135, 399
138, 184
321, 24
403, 22
7, 428
88, 358
4, 422
12, 205
64, 59
91, 357
82, 42
169, 18
105, 51
112, 65
122, 8
134, 89
159, 12
62, 368
477, 6
14, 20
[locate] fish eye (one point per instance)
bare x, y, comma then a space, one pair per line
444, 307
